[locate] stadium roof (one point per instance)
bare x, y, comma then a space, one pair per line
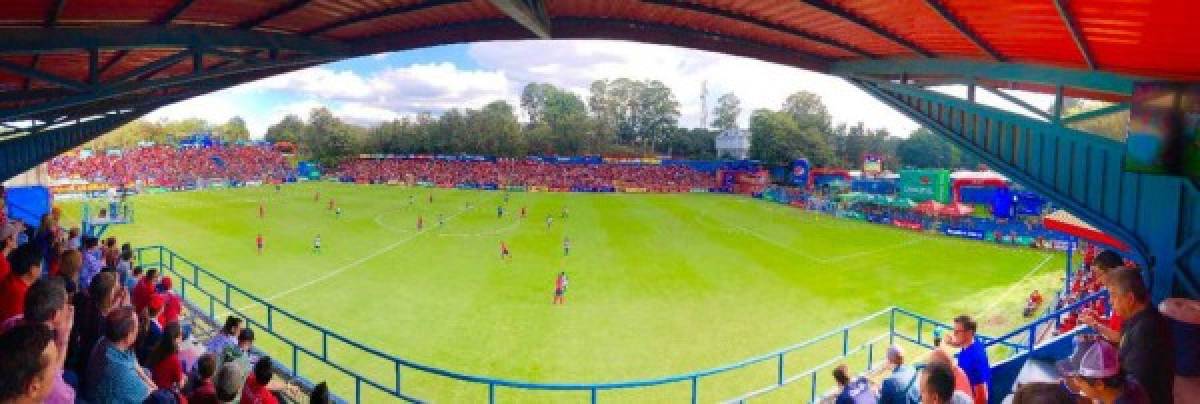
67, 57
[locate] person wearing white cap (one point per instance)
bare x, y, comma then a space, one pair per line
1098, 376
901, 386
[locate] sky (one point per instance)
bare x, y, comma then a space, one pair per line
388, 86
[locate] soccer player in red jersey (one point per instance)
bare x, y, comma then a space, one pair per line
560, 288
261, 211
259, 242
331, 203
522, 212
504, 254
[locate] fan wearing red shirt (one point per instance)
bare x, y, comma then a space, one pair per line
164, 358
256, 391
172, 305
26, 264
144, 290
1105, 262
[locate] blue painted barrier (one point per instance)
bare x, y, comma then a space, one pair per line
217, 291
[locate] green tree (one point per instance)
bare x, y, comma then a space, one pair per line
287, 129
925, 149
533, 100
235, 130
726, 113
776, 138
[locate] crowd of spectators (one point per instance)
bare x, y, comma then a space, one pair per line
655, 178
80, 323
171, 167
1127, 355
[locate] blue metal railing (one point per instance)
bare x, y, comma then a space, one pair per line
220, 292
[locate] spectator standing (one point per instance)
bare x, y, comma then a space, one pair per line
256, 391
227, 337
113, 374
1147, 351
857, 391
172, 303
28, 370
144, 290
973, 358
26, 263
901, 386
93, 307
46, 304
203, 391
164, 358
937, 386
229, 381
93, 260
153, 330
70, 264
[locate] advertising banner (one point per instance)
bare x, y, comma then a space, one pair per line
800, 172
964, 232
925, 185
872, 163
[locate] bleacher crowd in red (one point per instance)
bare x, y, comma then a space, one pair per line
561, 177
81, 323
171, 167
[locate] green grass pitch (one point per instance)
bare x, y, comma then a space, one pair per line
659, 284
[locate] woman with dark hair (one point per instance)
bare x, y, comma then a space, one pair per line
70, 263
164, 358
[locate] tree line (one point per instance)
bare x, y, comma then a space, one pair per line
619, 117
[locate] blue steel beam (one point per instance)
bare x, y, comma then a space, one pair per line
70, 39
119, 89
940, 8
1096, 113
42, 76
809, 36
1076, 34
174, 12
1018, 102
833, 9
1106, 82
151, 67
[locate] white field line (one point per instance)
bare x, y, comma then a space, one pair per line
869, 252
352, 264
801, 253
1014, 286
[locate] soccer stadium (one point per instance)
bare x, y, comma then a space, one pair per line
1031, 238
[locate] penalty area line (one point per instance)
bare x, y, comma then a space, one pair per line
352, 264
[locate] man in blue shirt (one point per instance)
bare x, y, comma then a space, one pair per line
901, 387
973, 357
113, 374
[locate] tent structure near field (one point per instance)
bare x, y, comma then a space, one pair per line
1063, 221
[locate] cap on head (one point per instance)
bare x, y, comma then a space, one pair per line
1095, 359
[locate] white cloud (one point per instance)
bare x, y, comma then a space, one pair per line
575, 64
506, 66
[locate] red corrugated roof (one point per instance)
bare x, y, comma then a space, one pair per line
1154, 39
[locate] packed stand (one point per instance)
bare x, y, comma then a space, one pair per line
79, 322
654, 178
171, 167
